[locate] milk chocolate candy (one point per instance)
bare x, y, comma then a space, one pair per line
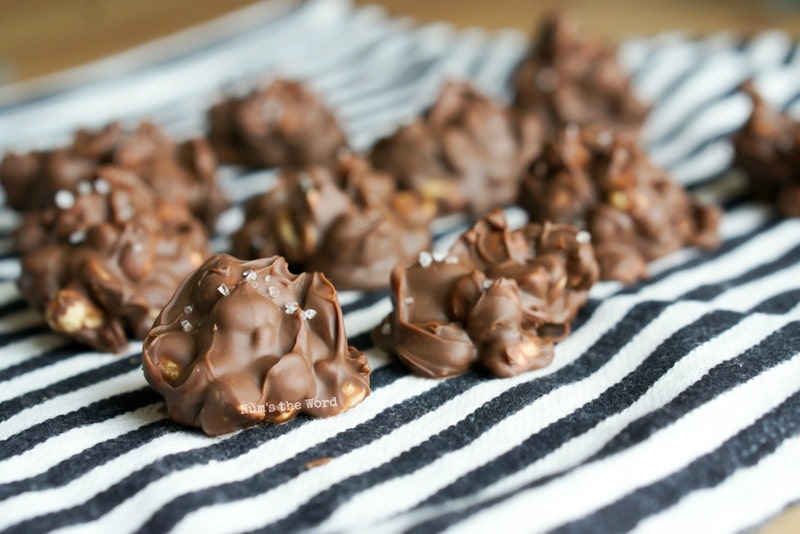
247, 342
498, 298
283, 124
177, 172
101, 263
466, 152
601, 181
572, 79
344, 219
767, 149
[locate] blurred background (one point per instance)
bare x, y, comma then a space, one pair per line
38, 37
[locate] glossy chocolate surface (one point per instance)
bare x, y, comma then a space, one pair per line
498, 298
247, 342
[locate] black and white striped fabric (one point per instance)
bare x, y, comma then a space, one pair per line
673, 406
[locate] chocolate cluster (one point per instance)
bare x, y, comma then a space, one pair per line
767, 149
102, 261
344, 219
280, 125
498, 298
179, 172
569, 78
242, 343
466, 152
602, 181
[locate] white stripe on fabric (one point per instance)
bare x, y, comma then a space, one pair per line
686, 371
667, 451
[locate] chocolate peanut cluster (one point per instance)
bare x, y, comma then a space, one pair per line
280, 125
571, 79
498, 298
466, 152
248, 342
344, 219
179, 172
768, 151
601, 181
101, 262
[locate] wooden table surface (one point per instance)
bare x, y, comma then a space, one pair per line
38, 37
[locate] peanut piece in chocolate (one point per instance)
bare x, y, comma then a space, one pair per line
283, 124
466, 152
768, 151
572, 79
498, 298
177, 172
101, 263
247, 342
600, 180
344, 219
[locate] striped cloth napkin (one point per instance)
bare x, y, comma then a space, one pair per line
674, 406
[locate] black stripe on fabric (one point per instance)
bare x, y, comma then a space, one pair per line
736, 201
367, 300
710, 291
792, 101
771, 351
725, 248
362, 341
476, 423
745, 449
15, 306
794, 54
13, 406
75, 466
613, 400
233, 447
779, 304
41, 361
95, 412
7, 338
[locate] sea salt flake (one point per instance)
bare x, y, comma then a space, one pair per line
452, 260
223, 290
408, 300
64, 199
186, 325
309, 314
487, 284
77, 237
425, 259
439, 256
290, 308
102, 186
583, 237
267, 278
187, 309
250, 275
273, 292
